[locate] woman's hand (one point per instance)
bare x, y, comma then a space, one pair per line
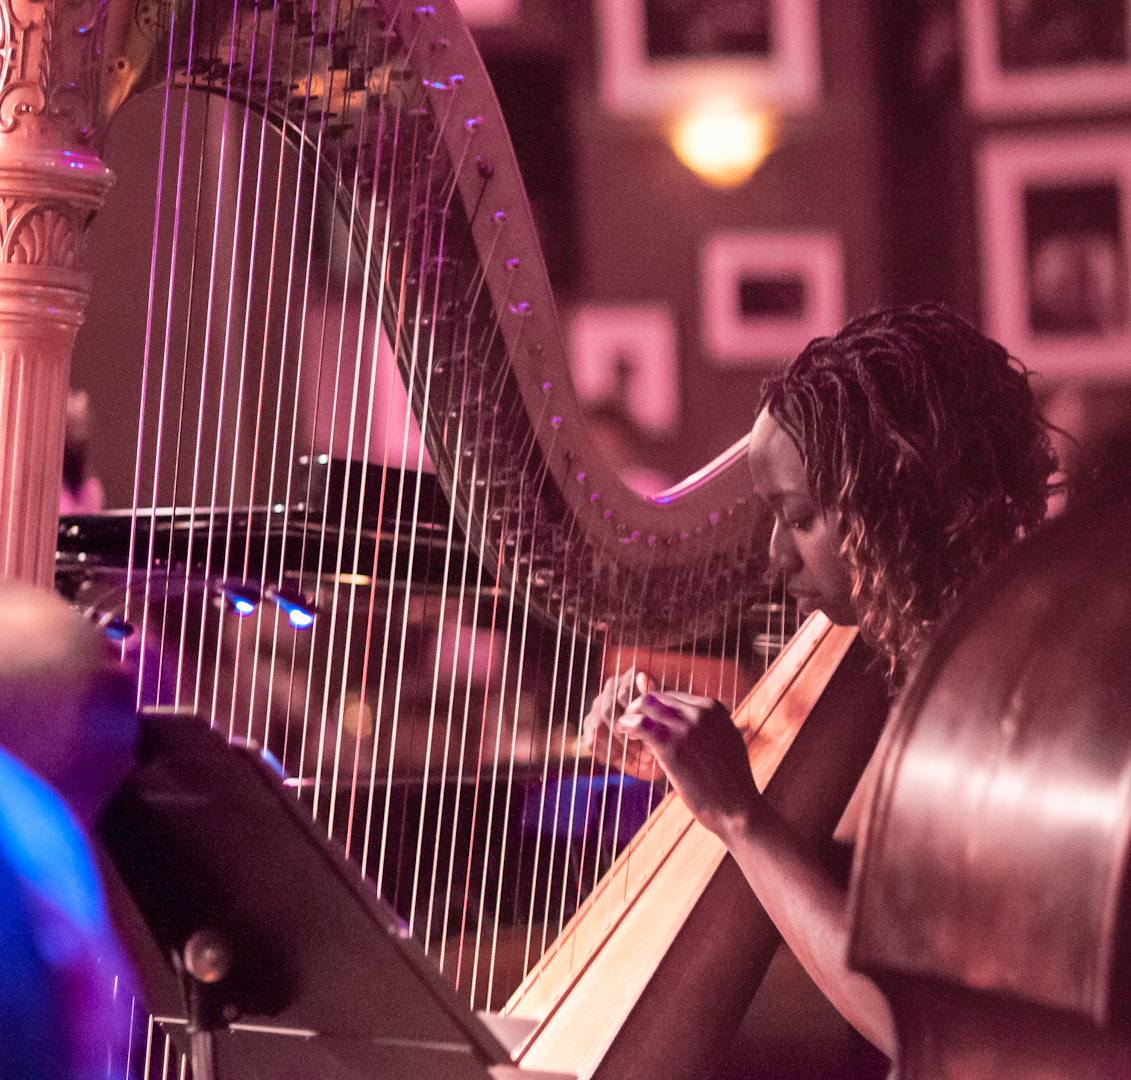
702, 752
623, 751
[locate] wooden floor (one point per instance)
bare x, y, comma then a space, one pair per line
792, 1033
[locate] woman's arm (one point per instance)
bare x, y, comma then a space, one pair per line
703, 753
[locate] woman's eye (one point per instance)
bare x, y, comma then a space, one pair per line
801, 524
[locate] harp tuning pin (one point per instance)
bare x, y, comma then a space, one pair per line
555, 422
473, 123
512, 264
500, 216
424, 9
455, 80
547, 387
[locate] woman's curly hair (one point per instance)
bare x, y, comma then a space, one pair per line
924, 437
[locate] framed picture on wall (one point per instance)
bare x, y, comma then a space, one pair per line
1033, 56
1056, 250
624, 357
766, 295
658, 56
481, 13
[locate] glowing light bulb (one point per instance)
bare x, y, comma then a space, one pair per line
723, 141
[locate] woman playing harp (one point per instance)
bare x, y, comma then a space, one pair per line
899, 458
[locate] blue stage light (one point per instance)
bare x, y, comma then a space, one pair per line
242, 596
114, 626
300, 612
300, 619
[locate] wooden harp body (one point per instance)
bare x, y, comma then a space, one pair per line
333, 208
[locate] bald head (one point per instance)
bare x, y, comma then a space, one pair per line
66, 708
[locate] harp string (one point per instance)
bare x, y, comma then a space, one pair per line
323, 511
505, 513
233, 273
324, 712
276, 218
476, 607
186, 587
491, 798
442, 628
517, 693
180, 418
242, 629
475, 639
144, 399
437, 664
294, 420
206, 358
496, 591
304, 141
508, 798
544, 791
367, 438
429, 365
414, 363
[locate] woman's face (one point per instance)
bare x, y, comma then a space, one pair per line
805, 544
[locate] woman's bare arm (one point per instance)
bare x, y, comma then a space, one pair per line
703, 754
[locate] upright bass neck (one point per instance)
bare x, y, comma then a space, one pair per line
653, 974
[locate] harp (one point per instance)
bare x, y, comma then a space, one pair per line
336, 210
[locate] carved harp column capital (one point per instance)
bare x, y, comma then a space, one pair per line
51, 185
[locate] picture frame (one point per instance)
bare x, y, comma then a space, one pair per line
488, 13
766, 295
1056, 251
658, 56
1022, 59
627, 356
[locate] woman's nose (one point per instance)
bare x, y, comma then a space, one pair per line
784, 556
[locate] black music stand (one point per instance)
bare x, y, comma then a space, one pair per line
260, 949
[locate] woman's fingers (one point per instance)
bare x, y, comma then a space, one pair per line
698, 746
660, 717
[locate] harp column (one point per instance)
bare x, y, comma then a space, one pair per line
51, 184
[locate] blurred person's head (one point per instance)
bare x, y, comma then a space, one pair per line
67, 709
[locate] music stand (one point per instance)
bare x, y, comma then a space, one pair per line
261, 950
